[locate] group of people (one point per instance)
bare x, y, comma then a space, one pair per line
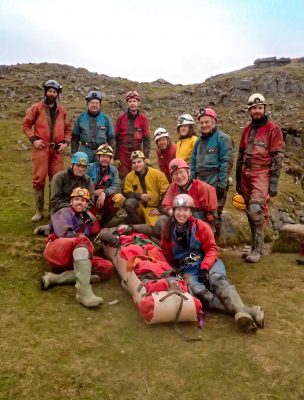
180, 203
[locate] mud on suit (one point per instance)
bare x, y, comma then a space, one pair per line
204, 197
258, 170
131, 133
211, 162
184, 148
62, 186
153, 182
90, 131
69, 232
193, 252
108, 180
46, 162
164, 157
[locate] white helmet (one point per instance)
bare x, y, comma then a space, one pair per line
185, 119
159, 133
256, 99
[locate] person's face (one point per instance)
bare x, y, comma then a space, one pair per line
133, 104
138, 165
94, 106
207, 124
181, 176
51, 95
257, 112
79, 169
184, 130
182, 214
79, 203
104, 160
162, 143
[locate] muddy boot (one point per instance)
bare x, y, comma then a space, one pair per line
85, 293
218, 306
39, 201
43, 230
228, 295
257, 314
131, 208
257, 244
49, 279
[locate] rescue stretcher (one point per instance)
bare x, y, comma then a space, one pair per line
159, 295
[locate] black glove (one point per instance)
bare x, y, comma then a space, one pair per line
203, 277
273, 187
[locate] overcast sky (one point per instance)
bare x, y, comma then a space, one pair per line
182, 41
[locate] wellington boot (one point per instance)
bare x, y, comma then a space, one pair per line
257, 314
43, 230
245, 322
39, 201
49, 279
253, 257
218, 306
257, 244
85, 293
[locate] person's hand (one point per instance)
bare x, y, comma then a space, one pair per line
117, 163
100, 200
145, 197
62, 148
39, 144
203, 277
273, 189
98, 192
154, 211
148, 162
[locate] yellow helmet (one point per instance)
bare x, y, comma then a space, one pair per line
105, 150
137, 154
81, 192
238, 201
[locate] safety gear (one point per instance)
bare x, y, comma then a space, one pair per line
277, 163
52, 84
80, 158
208, 111
257, 232
133, 94
228, 295
238, 201
137, 154
93, 95
177, 163
159, 133
105, 150
81, 192
185, 119
183, 200
256, 99
84, 290
108, 236
39, 201
49, 279
255, 213
43, 230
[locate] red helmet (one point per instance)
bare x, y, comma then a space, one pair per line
177, 163
133, 94
183, 200
207, 111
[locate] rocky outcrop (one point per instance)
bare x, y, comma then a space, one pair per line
271, 61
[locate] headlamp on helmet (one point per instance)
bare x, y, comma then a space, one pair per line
137, 154
81, 192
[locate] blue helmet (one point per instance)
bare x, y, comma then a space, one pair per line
80, 158
93, 95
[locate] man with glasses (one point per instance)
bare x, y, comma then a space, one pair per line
212, 159
259, 164
48, 127
107, 184
92, 128
132, 133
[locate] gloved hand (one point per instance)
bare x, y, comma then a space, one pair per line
273, 188
88, 216
117, 163
148, 162
220, 193
203, 277
109, 237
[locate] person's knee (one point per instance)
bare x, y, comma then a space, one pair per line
81, 253
161, 223
217, 273
255, 212
131, 205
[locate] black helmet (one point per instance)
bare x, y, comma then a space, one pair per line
93, 94
52, 84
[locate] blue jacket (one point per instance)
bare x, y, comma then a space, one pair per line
109, 181
212, 159
89, 129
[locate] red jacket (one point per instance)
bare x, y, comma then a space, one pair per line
38, 115
141, 130
268, 140
203, 194
164, 157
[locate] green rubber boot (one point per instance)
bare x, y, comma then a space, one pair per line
85, 295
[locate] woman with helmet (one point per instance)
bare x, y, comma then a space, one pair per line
92, 128
132, 133
187, 137
48, 127
69, 252
107, 184
165, 150
189, 246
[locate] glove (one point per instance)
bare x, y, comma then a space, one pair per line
117, 163
148, 162
203, 277
109, 237
273, 188
220, 193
